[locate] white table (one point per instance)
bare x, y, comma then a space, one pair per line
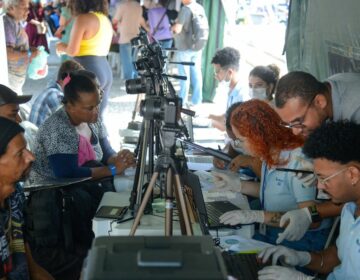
154, 225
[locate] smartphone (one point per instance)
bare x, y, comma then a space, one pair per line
111, 212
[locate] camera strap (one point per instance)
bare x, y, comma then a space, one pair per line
158, 25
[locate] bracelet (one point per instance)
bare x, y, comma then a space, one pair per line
112, 169
322, 259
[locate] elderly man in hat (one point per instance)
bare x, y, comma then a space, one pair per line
9, 108
16, 261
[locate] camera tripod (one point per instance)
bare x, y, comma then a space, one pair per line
165, 168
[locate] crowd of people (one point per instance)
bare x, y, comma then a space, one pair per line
294, 122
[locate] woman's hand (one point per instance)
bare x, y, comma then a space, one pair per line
123, 160
61, 48
218, 163
238, 162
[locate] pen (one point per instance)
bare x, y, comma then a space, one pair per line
294, 170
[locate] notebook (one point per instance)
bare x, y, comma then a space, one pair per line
208, 212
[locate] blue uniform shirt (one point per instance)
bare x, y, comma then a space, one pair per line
237, 94
282, 191
348, 245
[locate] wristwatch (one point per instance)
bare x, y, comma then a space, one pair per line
315, 217
112, 169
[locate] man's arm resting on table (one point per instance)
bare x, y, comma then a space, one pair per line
325, 261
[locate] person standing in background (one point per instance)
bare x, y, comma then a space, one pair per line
17, 43
128, 17
35, 27
64, 30
90, 41
183, 30
158, 23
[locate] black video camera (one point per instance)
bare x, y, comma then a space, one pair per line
161, 102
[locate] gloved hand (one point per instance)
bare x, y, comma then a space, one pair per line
236, 217
285, 255
226, 181
299, 221
306, 179
276, 272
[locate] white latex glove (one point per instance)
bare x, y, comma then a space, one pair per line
306, 179
276, 272
285, 255
226, 181
298, 220
236, 217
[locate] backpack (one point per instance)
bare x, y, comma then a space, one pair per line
200, 28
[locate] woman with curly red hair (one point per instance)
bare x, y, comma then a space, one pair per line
258, 128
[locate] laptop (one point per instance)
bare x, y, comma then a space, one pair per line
208, 212
242, 266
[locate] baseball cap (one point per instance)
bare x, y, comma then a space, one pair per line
8, 96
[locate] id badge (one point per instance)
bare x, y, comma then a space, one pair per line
262, 229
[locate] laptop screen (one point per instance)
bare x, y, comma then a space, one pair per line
192, 181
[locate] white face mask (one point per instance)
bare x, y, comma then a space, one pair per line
225, 82
258, 93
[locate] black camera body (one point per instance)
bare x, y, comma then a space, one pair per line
162, 108
160, 102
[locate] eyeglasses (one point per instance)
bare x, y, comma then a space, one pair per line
238, 143
325, 180
220, 69
300, 122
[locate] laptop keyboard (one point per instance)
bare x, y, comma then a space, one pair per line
242, 266
215, 209
213, 214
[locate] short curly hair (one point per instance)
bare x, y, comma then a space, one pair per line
261, 125
297, 84
227, 58
334, 141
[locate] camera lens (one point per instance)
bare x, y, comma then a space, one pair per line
135, 86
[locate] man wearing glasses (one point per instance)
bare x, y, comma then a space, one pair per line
336, 153
304, 103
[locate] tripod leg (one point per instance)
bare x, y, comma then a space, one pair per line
143, 203
184, 214
169, 205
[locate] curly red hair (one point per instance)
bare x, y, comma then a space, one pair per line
261, 125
